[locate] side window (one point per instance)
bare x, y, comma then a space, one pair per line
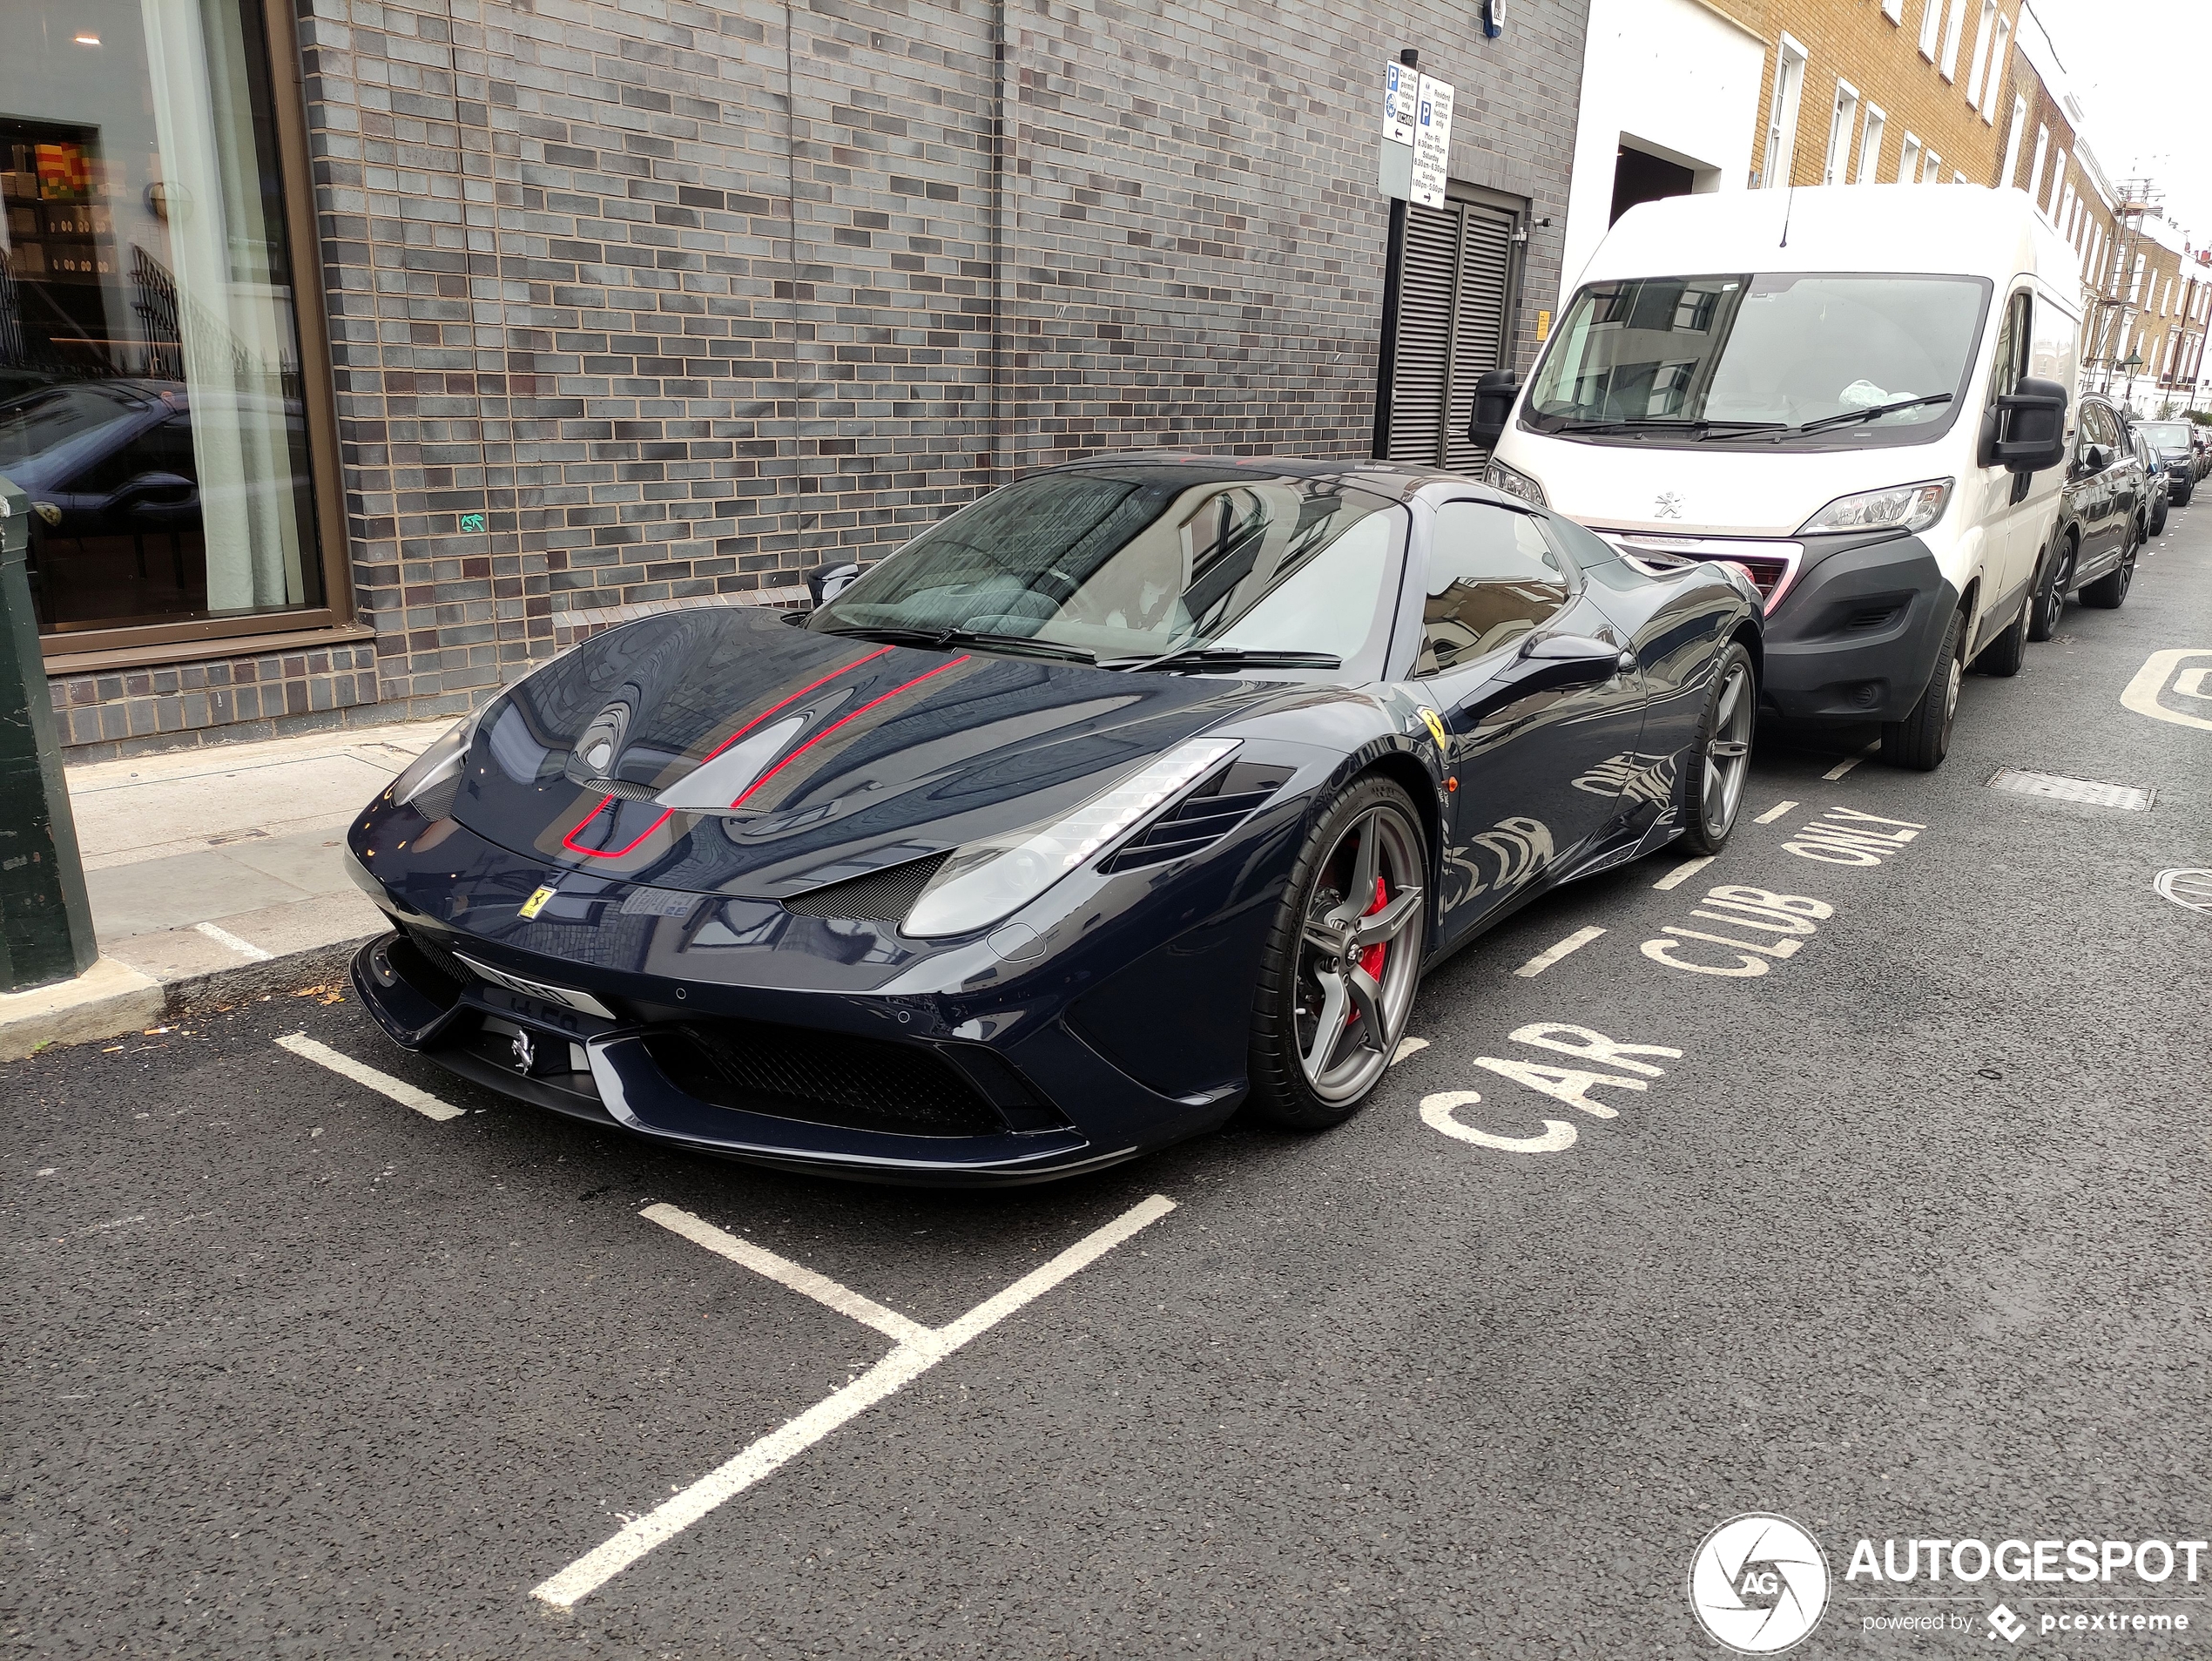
1586, 548
2013, 333
1492, 577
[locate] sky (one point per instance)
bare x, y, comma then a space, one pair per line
2138, 66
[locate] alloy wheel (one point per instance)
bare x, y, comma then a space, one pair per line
1728, 752
1957, 673
1359, 954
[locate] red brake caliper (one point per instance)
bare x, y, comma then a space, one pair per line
1370, 959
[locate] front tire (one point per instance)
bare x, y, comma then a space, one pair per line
1921, 740
1720, 759
2004, 656
2109, 592
1338, 976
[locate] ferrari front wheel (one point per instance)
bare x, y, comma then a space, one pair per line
1342, 963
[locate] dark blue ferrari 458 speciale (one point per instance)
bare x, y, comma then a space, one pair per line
1135, 791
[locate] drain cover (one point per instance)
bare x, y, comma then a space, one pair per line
2051, 787
2187, 888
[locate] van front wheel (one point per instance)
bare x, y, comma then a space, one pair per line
1922, 739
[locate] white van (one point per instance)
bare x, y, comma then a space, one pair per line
1859, 393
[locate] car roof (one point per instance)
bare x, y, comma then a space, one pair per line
1401, 480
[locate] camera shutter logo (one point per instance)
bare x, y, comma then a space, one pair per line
1758, 1584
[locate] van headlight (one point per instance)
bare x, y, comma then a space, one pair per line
993, 879
1901, 507
1515, 482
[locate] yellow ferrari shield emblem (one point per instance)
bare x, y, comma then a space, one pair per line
1435, 724
536, 903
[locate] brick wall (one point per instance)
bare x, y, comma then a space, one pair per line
639, 304
131, 712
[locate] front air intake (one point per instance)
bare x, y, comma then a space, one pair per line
880, 896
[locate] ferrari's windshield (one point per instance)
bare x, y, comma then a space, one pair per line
1806, 359
1134, 560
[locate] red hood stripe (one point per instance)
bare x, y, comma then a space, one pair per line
833, 726
568, 841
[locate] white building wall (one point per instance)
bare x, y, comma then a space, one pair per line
1670, 77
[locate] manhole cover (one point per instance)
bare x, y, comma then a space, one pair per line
2187, 888
2053, 787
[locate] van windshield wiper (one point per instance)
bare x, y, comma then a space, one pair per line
1700, 428
938, 638
1205, 658
1869, 413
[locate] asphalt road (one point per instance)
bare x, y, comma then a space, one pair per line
1910, 1241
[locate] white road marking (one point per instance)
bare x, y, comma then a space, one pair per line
398, 1089
1543, 960
1850, 761
1683, 873
1437, 1113
1774, 813
2142, 693
1407, 1047
902, 1365
245, 948
823, 1290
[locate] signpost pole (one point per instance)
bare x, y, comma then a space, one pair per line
1400, 83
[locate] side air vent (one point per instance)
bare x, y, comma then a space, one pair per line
880, 896
1197, 821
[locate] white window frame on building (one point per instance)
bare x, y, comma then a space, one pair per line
2001, 41
1843, 120
2058, 183
1908, 158
1791, 58
2042, 155
2013, 143
1931, 28
1931, 167
1985, 34
1870, 143
1955, 23
1893, 10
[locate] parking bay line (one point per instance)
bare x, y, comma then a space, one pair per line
398, 1089
823, 1290
1850, 761
902, 1365
1543, 960
1774, 813
1687, 869
223, 937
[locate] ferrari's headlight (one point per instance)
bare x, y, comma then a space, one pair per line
1513, 482
1902, 507
986, 881
429, 783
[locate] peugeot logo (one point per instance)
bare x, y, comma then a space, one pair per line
1667, 506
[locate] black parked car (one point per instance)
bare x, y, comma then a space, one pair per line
2171, 440
1134, 790
2158, 474
2103, 516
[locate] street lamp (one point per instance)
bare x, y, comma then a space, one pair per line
2132, 363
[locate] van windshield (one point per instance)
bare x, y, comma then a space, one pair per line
1810, 361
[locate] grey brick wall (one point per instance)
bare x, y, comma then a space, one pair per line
641, 303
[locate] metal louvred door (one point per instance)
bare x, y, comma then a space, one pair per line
1451, 328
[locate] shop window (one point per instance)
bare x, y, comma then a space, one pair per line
153, 399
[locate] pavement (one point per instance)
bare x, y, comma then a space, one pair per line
205, 863
312, 1349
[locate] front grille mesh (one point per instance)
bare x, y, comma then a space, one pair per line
821, 1077
880, 896
437, 959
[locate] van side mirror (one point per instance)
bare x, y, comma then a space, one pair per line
1493, 396
2031, 427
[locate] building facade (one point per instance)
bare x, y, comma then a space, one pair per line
359, 356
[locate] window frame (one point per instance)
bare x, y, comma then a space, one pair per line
133, 644
2001, 42
1909, 151
1843, 127
1790, 62
1873, 127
